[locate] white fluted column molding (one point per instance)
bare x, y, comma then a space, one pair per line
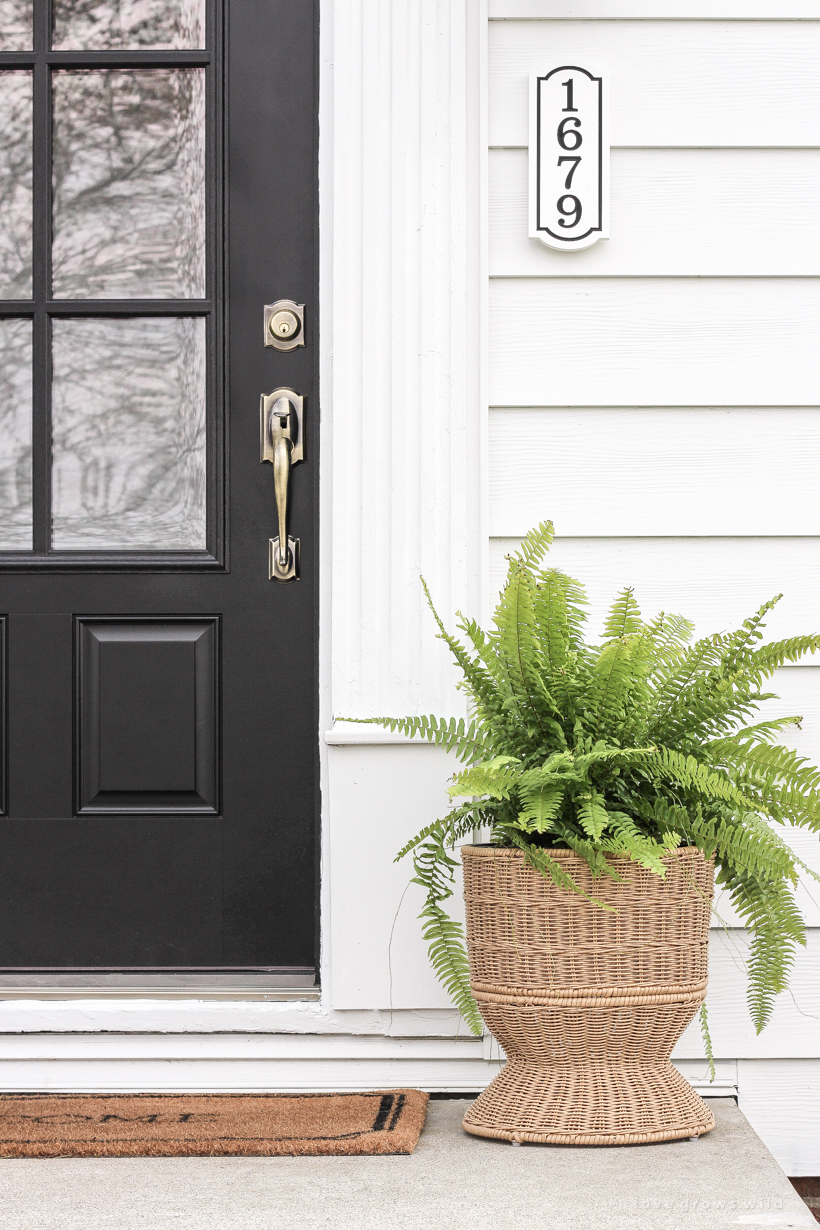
404, 388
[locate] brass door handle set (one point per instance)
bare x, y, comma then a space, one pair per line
282, 434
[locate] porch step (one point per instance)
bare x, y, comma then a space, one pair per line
452, 1182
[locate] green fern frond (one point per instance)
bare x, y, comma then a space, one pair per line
444, 936
627, 839
458, 823
592, 814
687, 772
624, 617
777, 928
448, 957
475, 676
764, 731
496, 777
771, 657
452, 735
541, 799
707, 1041
535, 545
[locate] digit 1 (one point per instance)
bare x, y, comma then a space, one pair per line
568, 87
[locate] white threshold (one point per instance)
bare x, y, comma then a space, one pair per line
149, 986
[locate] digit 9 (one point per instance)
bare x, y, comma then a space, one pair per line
571, 212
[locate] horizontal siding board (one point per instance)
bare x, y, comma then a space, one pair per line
656, 10
716, 582
780, 1097
792, 1031
632, 473
671, 83
654, 342
677, 212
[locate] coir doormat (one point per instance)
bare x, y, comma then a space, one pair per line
182, 1125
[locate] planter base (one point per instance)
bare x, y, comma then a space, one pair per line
590, 1104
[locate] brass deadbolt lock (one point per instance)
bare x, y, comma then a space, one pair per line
284, 324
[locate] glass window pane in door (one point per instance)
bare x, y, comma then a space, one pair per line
15, 435
103, 25
128, 415
129, 184
16, 25
15, 185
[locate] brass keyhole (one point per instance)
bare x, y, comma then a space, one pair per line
284, 324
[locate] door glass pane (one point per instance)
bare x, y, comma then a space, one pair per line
15, 435
15, 185
16, 25
107, 24
128, 415
129, 184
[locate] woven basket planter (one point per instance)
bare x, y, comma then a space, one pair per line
587, 1003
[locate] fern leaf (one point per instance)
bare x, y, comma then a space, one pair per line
453, 736
541, 799
624, 617
592, 814
707, 1041
535, 546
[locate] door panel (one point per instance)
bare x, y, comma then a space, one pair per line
148, 715
39, 703
162, 715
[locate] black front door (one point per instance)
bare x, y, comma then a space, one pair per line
157, 190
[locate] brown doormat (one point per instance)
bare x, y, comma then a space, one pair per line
182, 1125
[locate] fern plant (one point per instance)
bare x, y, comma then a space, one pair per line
630, 748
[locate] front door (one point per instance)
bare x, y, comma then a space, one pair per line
157, 190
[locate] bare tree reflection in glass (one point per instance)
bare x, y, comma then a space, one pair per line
107, 24
129, 184
16, 25
129, 434
15, 435
15, 185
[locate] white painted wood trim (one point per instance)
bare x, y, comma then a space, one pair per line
405, 387
239, 1063
346, 734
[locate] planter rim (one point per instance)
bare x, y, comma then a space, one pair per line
482, 851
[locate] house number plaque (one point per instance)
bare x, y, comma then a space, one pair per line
569, 158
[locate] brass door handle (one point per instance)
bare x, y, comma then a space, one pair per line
282, 440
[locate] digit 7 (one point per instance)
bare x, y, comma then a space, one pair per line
572, 170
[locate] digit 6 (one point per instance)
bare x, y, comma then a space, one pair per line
564, 136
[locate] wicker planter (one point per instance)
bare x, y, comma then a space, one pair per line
587, 1003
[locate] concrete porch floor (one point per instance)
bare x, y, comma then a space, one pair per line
451, 1182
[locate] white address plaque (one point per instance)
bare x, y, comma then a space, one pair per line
569, 158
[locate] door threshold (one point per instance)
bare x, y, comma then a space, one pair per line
146, 985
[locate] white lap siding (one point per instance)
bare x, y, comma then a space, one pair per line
658, 395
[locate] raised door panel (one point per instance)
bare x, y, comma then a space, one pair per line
148, 720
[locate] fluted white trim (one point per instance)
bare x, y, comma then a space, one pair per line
406, 389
